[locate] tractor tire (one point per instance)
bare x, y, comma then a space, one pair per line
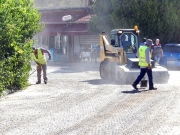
113, 70
107, 70
103, 72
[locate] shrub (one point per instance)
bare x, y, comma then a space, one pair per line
19, 22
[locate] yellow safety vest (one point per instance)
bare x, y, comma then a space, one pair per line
142, 56
41, 58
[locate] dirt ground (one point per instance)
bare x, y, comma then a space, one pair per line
77, 102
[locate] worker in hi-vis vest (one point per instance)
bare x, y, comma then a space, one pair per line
41, 63
144, 56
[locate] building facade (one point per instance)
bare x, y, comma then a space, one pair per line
66, 32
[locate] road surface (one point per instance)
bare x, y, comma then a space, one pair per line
76, 102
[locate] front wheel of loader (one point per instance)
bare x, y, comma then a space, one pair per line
113, 71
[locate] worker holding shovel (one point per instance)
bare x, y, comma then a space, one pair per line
40, 59
145, 65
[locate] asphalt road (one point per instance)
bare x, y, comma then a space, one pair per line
76, 102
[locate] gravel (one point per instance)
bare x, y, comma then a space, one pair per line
77, 102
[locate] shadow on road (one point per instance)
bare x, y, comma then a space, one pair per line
99, 82
135, 91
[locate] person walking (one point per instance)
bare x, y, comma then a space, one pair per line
40, 59
157, 52
145, 65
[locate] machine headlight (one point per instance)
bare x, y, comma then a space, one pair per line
119, 31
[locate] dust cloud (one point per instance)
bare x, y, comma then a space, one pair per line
174, 77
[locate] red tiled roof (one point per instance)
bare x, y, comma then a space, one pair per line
72, 29
57, 16
84, 19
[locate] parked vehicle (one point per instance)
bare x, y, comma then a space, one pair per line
171, 56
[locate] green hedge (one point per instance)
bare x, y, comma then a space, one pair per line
14, 70
19, 22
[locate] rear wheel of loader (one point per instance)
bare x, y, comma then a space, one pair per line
102, 70
107, 70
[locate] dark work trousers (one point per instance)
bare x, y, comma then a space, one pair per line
142, 74
39, 69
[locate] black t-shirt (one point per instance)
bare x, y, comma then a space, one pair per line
156, 49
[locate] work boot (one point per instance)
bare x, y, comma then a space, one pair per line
45, 81
134, 86
152, 88
38, 82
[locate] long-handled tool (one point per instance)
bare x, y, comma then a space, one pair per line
33, 72
36, 70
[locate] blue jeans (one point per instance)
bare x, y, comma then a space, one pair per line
142, 74
157, 59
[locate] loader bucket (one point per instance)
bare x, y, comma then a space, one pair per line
126, 74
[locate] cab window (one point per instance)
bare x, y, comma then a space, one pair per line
115, 37
128, 42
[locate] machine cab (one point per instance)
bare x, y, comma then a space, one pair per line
126, 38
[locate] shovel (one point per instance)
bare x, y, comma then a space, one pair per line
143, 83
35, 70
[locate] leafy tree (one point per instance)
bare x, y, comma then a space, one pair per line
19, 22
101, 21
155, 18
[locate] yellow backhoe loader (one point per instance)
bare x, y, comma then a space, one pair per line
118, 59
